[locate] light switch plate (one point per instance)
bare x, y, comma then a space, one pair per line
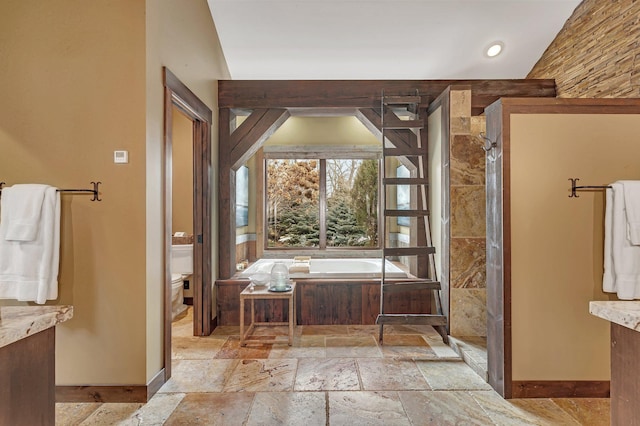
120, 157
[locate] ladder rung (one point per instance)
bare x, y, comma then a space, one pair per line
401, 100
404, 152
394, 287
413, 319
405, 181
409, 251
406, 213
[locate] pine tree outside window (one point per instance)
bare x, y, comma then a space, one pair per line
297, 190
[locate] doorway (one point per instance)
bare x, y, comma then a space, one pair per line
178, 96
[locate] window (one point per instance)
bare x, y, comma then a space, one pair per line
403, 196
293, 189
242, 197
321, 203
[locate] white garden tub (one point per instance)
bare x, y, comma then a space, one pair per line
332, 268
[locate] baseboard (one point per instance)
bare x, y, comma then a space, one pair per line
188, 301
214, 323
560, 389
111, 393
155, 384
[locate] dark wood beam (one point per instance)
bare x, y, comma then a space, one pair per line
370, 118
226, 200
247, 139
366, 93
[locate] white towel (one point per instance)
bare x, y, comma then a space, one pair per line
625, 257
23, 218
608, 279
29, 269
632, 207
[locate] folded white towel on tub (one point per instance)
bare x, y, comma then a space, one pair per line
29, 269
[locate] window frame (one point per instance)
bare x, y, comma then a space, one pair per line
322, 154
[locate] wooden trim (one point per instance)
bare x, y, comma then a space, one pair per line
167, 220
115, 393
570, 106
561, 389
156, 383
112, 393
178, 94
186, 99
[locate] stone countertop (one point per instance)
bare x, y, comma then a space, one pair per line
624, 313
18, 322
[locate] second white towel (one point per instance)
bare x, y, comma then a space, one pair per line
621, 257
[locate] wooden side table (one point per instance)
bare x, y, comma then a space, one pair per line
264, 293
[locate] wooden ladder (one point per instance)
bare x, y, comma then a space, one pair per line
402, 132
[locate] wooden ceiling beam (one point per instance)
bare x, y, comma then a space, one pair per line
366, 93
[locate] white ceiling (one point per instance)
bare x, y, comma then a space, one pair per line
385, 39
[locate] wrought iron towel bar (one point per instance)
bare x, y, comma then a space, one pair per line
575, 188
95, 191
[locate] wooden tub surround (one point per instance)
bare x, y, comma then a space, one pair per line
320, 302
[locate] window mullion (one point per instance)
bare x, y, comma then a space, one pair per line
323, 204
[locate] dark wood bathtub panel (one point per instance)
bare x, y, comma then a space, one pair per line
228, 302
370, 302
321, 302
346, 304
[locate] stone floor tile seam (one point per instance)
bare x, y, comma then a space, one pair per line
482, 407
360, 381
566, 411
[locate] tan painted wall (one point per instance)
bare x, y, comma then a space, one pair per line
75, 89
182, 177
346, 130
181, 36
557, 242
72, 84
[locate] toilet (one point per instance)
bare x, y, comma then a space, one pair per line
181, 268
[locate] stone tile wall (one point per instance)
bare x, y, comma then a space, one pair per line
467, 251
597, 52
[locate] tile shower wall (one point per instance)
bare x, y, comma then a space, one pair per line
467, 252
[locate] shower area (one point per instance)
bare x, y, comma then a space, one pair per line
457, 199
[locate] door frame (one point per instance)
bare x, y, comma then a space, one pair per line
177, 94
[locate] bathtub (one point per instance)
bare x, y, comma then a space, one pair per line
332, 268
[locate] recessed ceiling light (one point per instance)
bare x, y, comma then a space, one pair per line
494, 49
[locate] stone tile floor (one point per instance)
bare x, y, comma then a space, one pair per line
336, 375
